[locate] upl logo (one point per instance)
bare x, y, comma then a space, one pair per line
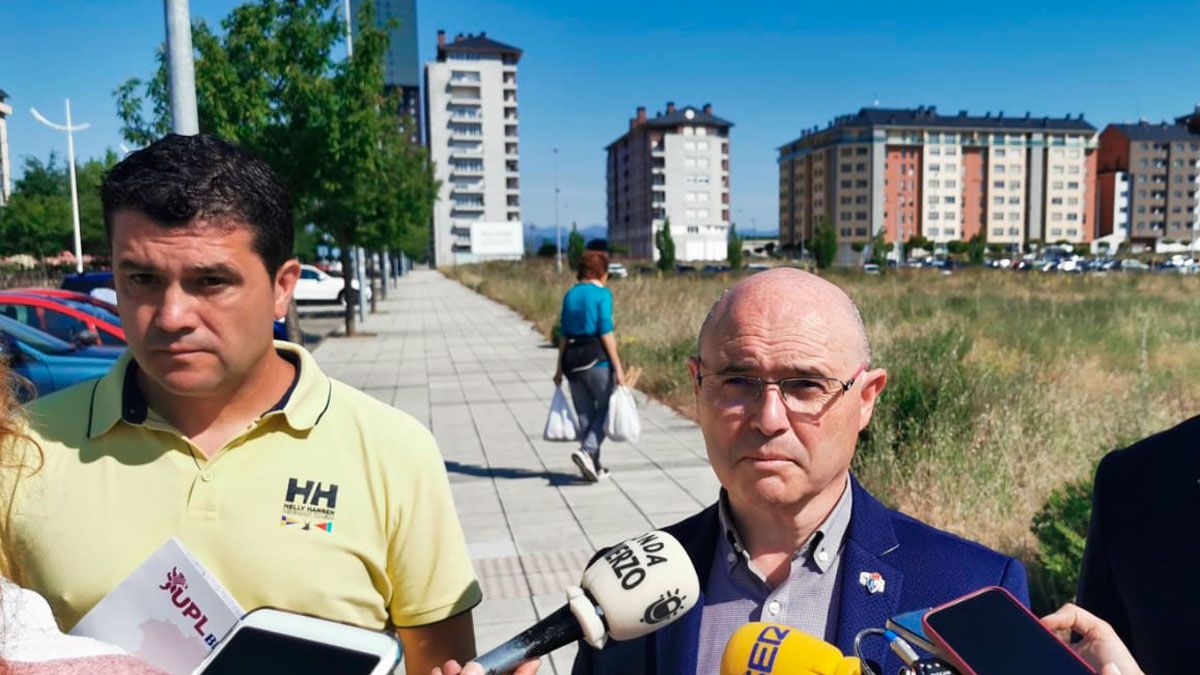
175, 587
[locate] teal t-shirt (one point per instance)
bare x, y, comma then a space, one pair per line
587, 310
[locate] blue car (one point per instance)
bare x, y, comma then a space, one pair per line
49, 363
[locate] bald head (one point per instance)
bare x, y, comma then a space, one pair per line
789, 292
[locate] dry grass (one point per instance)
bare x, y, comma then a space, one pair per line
1034, 376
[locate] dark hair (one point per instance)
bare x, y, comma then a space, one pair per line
177, 179
593, 265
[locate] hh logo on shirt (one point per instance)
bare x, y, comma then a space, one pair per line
309, 504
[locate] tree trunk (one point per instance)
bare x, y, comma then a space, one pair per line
385, 272
293, 324
371, 280
348, 290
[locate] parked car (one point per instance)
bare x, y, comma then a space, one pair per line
48, 363
1133, 265
67, 319
617, 270
710, 270
757, 267
871, 268
72, 295
316, 286
86, 281
685, 269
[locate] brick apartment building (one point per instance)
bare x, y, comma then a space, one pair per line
1149, 180
905, 172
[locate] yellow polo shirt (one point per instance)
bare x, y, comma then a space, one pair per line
331, 503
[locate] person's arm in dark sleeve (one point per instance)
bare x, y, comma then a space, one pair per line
1015, 581
1097, 587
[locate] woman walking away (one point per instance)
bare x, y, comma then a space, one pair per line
30, 642
587, 355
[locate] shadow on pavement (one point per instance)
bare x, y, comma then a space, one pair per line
554, 477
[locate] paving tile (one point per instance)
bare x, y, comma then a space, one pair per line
478, 376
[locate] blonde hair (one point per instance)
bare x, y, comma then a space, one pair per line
15, 443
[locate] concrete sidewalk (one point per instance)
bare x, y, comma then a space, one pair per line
479, 376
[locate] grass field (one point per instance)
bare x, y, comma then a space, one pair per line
1003, 385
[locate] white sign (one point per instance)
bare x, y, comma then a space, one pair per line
497, 238
169, 612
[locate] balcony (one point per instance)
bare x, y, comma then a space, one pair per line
463, 151
510, 131
511, 166
465, 77
513, 183
467, 132
465, 114
510, 149
466, 169
466, 96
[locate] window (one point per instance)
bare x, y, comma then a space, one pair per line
860, 167
935, 151
1057, 201
998, 184
847, 168
845, 152
933, 199
1073, 169
1014, 185
702, 146
933, 231
701, 131
862, 183
860, 150
689, 162
1056, 216
1013, 215
689, 145
846, 200
702, 197
689, 131
998, 152
951, 151
951, 183
1014, 231
1056, 185
934, 215
1014, 200
1072, 216
998, 231
845, 183
998, 200
933, 183
1073, 185
999, 168
935, 167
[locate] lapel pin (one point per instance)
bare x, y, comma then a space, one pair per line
872, 581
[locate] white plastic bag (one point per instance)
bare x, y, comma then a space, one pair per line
622, 423
561, 424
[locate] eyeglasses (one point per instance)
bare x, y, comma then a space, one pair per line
808, 395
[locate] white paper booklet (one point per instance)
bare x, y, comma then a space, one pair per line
170, 612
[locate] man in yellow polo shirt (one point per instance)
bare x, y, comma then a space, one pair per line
295, 490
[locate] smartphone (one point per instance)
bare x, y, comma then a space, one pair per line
910, 627
989, 632
270, 640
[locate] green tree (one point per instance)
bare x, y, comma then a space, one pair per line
879, 249
665, 244
917, 241
733, 249
824, 243
976, 247
274, 81
38, 221
575, 246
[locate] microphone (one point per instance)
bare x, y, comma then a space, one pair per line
635, 588
772, 649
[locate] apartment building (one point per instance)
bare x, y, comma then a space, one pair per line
1150, 174
671, 168
471, 130
5, 165
402, 66
909, 172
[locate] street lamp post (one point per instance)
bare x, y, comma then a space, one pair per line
557, 225
71, 169
181, 69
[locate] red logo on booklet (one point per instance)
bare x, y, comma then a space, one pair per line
175, 586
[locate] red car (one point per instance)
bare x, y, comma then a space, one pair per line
70, 295
75, 320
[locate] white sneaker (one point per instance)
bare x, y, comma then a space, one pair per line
586, 466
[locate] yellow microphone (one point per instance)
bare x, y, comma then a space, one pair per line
773, 649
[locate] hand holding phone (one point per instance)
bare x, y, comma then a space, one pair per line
274, 641
1099, 644
989, 632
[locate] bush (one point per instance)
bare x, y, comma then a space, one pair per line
1061, 531
665, 244
574, 248
931, 393
547, 249
824, 243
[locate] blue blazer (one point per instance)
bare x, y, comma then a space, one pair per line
921, 567
1143, 551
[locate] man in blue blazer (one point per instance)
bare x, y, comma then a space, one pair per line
783, 388
1143, 553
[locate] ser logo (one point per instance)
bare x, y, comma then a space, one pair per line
310, 505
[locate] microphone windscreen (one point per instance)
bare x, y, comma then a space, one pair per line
642, 584
773, 649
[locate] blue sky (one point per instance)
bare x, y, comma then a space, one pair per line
772, 68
